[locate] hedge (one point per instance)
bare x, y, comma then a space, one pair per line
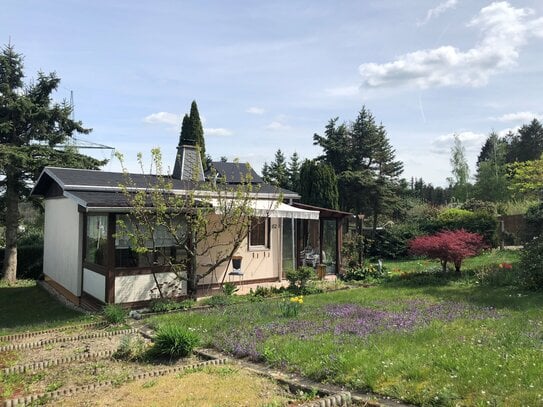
29, 261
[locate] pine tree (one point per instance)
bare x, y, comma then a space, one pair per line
31, 125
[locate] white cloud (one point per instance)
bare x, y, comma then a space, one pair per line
518, 117
351, 90
255, 110
163, 118
277, 126
438, 10
504, 31
219, 132
470, 140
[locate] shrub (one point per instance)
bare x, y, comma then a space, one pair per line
114, 314
131, 349
477, 206
298, 278
448, 246
174, 341
454, 219
229, 288
363, 273
531, 264
393, 242
534, 221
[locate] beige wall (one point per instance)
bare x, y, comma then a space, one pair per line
62, 249
256, 264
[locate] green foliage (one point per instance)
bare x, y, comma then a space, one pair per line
229, 288
29, 261
276, 173
534, 221
298, 278
167, 304
454, 218
368, 271
526, 144
364, 161
131, 348
318, 184
218, 300
526, 178
491, 178
31, 126
114, 314
478, 206
531, 264
174, 341
393, 241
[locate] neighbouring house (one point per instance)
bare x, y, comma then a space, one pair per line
89, 264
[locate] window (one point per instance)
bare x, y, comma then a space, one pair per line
259, 233
162, 245
96, 240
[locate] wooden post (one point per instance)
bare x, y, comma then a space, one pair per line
110, 264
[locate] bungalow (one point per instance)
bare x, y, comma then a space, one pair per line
87, 262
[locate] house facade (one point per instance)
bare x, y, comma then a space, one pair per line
88, 261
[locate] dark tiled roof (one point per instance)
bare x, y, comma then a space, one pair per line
76, 179
99, 199
236, 173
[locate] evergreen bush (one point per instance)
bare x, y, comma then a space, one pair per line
114, 314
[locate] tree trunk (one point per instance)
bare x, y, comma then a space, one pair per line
192, 278
443, 266
457, 266
9, 269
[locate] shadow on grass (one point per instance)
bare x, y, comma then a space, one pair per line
29, 307
464, 287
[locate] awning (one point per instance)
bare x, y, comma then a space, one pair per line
274, 209
282, 210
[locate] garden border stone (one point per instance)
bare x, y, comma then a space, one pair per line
55, 362
39, 344
30, 334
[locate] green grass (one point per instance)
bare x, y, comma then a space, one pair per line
26, 306
489, 359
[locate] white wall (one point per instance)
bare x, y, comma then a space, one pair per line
94, 284
138, 288
62, 248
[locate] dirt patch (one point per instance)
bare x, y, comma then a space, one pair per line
209, 386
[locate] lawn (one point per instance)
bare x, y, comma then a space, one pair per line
26, 306
440, 341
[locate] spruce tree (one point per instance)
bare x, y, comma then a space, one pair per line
294, 173
186, 129
318, 184
31, 125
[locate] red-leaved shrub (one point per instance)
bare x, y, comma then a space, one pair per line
448, 246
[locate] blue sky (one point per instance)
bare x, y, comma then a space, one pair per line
268, 75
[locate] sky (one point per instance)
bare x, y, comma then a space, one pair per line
267, 75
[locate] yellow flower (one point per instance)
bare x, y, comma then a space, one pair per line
293, 299
300, 301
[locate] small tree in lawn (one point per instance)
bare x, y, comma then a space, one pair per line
209, 221
448, 246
